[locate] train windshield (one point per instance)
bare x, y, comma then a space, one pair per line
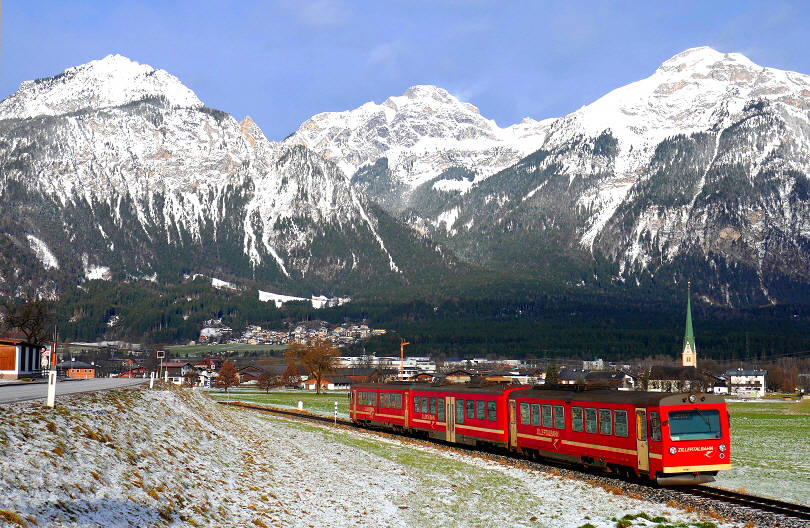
695, 424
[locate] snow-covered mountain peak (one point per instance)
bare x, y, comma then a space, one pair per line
112, 81
703, 58
687, 93
422, 133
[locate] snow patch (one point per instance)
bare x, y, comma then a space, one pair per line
42, 252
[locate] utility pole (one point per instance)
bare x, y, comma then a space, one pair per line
402, 344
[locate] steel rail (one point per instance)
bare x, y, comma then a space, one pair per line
788, 509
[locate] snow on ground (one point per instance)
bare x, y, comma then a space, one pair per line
173, 458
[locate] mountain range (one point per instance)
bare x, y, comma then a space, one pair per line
114, 170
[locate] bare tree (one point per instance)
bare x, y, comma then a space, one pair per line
267, 381
191, 378
317, 356
228, 377
291, 376
31, 317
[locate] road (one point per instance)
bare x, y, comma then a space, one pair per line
35, 391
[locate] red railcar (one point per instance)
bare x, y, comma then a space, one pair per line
455, 413
673, 438
380, 404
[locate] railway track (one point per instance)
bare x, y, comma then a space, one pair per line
787, 509
761, 505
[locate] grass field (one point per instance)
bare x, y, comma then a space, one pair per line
770, 450
315, 403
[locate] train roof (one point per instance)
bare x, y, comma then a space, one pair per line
495, 388
619, 397
571, 395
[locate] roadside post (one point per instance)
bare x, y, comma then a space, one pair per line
51, 401
300, 405
335, 413
152, 379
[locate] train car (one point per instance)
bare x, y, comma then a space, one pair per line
455, 413
672, 438
463, 414
380, 404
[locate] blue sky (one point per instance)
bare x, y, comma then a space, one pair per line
282, 61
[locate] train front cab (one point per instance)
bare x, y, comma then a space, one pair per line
688, 438
627, 433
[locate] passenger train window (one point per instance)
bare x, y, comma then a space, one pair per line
536, 414
620, 418
590, 420
441, 409
576, 419
479, 410
524, 414
424, 404
416, 404
492, 411
605, 422
547, 416
399, 401
655, 426
559, 417
471, 409
433, 406
459, 411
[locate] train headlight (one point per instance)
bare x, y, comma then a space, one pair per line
692, 398
722, 448
672, 450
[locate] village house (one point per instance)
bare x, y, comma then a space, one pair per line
76, 369
330, 382
610, 379
137, 372
746, 383
522, 376
458, 376
19, 359
571, 377
175, 370
250, 375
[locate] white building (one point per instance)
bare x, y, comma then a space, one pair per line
748, 383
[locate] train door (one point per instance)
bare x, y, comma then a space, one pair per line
450, 418
642, 447
406, 404
512, 425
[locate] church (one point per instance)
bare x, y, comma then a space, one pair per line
686, 377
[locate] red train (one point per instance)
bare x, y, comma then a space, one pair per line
671, 438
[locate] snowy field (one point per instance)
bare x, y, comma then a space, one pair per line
174, 458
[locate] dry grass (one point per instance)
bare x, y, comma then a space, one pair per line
13, 518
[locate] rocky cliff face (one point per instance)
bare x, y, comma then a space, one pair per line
419, 135
116, 166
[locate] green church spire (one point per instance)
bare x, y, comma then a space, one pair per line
689, 351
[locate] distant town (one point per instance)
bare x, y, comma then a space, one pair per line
339, 335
